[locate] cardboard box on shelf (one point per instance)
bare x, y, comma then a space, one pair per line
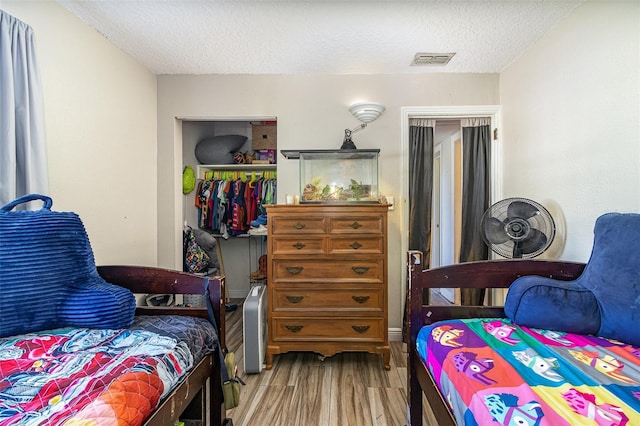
264, 137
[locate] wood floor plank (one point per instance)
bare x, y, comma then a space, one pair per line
305, 389
399, 354
351, 377
248, 406
388, 406
312, 395
349, 402
272, 408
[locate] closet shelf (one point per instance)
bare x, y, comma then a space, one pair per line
259, 169
217, 235
236, 167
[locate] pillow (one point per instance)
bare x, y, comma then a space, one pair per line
604, 300
219, 149
94, 303
48, 277
553, 305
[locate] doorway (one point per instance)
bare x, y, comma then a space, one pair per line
447, 197
446, 238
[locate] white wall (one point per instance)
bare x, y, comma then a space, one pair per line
312, 112
571, 114
100, 114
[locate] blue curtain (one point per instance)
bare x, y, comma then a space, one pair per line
23, 154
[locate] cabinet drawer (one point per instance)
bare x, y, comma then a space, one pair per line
362, 224
321, 271
334, 329
295, 245
297, 225
355, 245
328, 300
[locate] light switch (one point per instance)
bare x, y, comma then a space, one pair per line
390, 201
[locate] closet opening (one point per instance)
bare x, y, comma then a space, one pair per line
234, 162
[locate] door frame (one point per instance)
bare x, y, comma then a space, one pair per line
436, 207
444, 112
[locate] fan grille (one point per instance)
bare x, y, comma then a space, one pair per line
518, 228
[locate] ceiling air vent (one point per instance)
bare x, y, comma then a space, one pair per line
432, 58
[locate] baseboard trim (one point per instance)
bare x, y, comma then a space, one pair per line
395, 334
237, 294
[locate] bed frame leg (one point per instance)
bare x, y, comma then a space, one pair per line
217, 411
415, 399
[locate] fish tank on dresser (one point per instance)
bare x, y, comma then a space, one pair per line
337, 176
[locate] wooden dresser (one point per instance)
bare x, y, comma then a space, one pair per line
327, 279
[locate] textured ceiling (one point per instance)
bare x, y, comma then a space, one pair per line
320, 37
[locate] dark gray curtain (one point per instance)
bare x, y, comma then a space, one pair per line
476, 197
420, 185
420, 193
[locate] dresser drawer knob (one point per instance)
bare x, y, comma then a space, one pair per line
299, 225
294, 299
360, 328
356, 225
360, 299
360, 269
299, 245
294, 270
293, 328
355, 245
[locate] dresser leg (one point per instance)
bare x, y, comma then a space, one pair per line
386, 357
268, 361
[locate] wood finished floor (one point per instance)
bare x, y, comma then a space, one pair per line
348, 389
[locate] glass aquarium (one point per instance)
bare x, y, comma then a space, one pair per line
338, 176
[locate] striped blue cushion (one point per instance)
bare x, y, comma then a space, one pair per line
48, 277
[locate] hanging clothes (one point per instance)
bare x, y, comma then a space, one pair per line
226, 206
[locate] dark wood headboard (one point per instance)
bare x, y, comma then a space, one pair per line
151, 280
483, 275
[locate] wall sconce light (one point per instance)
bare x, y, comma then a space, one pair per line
365, 112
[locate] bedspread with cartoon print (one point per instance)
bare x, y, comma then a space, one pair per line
493, 372
78, 376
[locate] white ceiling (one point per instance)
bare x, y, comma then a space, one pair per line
320, 36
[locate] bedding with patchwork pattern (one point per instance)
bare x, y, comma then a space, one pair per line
493, 371
73, 376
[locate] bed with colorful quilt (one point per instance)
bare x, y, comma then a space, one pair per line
495, 372
159, 370
76, 347
474, 366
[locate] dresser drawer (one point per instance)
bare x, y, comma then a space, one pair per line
361, 225
304, 270
298, 245
297, 225
351, 245
328, 300
334, 329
